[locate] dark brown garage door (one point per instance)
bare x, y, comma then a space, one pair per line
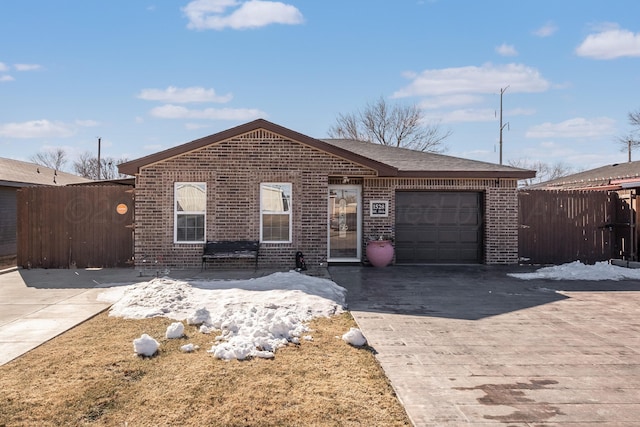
438, 227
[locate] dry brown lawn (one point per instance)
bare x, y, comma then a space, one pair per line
90, 376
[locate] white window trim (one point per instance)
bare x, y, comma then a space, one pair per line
290, 213
175, 214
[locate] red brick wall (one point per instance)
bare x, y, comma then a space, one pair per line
233, 170
501, 225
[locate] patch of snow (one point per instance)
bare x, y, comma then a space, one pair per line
254, 317
145, 345
354, 337
204, 329
189, 348
175, 330
199, 317
579, 271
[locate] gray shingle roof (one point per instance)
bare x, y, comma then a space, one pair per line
593, 178
18, 173
411, 161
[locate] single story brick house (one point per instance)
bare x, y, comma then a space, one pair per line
326, 198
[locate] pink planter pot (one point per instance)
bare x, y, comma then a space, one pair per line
380, 252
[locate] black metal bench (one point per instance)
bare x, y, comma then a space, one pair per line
222, 249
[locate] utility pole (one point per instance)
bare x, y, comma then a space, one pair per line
629, 149
99, 157
502, 126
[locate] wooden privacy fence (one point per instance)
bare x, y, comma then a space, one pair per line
563, 226
75, 226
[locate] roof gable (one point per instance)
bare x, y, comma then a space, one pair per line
259, 128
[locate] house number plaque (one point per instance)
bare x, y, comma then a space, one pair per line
379, 208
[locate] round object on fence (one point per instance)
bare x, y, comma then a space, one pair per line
122, 209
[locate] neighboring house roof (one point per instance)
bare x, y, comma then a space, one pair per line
611, 177
16, 173
386, 161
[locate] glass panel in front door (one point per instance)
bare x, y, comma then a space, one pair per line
344, 204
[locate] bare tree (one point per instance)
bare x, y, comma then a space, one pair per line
54, 159
632, 139
394, 125
634, 119
544, 171
87, 166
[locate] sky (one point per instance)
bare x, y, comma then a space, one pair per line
144, 76
256, 317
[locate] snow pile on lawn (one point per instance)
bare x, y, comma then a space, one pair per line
354, 337
255, 317
578, 271
145, 345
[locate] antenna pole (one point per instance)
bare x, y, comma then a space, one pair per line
502, 91
99, 157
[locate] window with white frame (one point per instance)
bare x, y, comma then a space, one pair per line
190, 212
275, 212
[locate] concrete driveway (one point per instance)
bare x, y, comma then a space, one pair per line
468, 345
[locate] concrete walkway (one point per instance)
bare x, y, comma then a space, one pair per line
37, 305
471, 346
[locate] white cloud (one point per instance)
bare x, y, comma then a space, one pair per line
506, 50
178, 112
183, 95
210, 14
610, 43
488, 78
546, 30
26, 67
578, 127
6, 78
36, 129
3, 67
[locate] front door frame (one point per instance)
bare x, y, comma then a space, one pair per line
358, 257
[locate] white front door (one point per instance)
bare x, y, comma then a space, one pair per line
345, 219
